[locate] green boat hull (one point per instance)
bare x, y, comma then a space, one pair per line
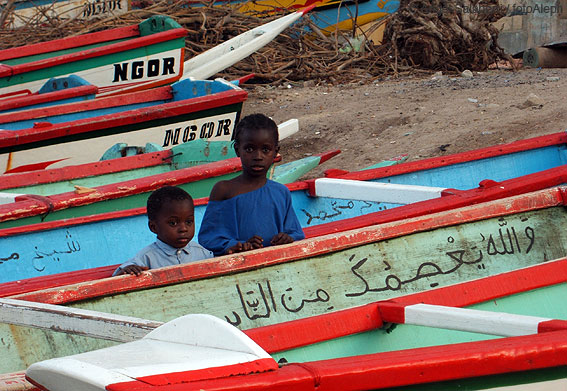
388, 266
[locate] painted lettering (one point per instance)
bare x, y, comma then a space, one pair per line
139, 69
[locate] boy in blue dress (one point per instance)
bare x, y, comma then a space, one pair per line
250, 211
171, 216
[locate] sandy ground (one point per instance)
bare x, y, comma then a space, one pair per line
423, 117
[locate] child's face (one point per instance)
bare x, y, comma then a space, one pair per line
175, 223
257, 150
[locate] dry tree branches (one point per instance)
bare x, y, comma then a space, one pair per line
446, 34
444, 41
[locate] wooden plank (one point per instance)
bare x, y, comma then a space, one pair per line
373, 191
87, 323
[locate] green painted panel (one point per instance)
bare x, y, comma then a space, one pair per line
77, 66
339, 280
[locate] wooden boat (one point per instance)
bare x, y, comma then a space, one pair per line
30, 13
460, 171
169, 115
197, 180
121, 162
129, 58
318, 275
327, 15
235, 49
124, 59
512, 333
55, 91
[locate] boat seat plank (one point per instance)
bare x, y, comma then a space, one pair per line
372, 191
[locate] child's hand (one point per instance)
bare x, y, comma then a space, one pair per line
281, 238
132, 269
238, 247
256, 241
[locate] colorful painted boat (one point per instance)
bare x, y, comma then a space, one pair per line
122, 162
378, 329
318, 275
216, 356
327, 15
56, 91
460, 171
167, 116
196, 180
124, 59
31, 13
129, 58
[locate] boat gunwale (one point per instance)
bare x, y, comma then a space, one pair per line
48, 97
135, 43
23, 137
70, 42
51, 175
25, 203
129, 98
269, 256
462, 157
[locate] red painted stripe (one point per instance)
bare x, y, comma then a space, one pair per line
172, 109
15, 180
499, 150
149, 382
33, 166
400, 368
54, 280
35, 99
294, 251
327, 155
131, 98
70, 42
392, 312
552, 325
34, 207
94, 52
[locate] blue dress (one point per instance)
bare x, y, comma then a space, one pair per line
265, 212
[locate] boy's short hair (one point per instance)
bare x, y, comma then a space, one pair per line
167, 193
256, 122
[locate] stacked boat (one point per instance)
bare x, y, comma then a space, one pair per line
393, 256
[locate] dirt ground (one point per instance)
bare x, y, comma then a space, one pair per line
423, 116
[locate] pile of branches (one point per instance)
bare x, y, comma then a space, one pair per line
446, 35
293, 56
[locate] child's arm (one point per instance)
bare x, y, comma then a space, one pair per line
136, 265
130, 269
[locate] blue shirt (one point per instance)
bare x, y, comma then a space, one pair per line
265, 212
160, 254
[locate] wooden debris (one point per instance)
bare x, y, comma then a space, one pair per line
447, 41
446, 35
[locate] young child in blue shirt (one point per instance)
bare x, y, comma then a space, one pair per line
250, 211
171, 217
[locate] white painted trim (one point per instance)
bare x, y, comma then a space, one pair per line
374, 191
71, 320
189, 343
8, 198
288, 128
476, 321
235, 49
